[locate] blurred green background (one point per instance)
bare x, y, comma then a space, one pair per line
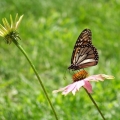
48, 31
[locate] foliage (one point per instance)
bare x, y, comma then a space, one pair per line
48, 31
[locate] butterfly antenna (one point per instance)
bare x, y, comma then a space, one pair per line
64, 77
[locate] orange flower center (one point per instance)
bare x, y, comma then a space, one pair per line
79, 75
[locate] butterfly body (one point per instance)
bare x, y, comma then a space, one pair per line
84, 54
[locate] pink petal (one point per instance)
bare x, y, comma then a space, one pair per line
66, 89
74, 87
61, 89
79, 84
99, 77
69, 88
88, 86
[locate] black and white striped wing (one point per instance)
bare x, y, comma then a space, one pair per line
84, 53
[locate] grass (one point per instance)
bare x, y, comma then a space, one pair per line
48, 31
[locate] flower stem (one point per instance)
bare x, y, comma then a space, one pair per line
35, 71
95, 104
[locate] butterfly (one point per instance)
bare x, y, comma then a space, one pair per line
84, 53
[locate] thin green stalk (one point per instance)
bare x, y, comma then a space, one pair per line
25, 54
95, 105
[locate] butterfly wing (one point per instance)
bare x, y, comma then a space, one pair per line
84, 53
84, 38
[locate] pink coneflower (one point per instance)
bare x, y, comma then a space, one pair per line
81, 79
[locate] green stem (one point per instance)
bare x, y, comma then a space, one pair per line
25, 54
95, 104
